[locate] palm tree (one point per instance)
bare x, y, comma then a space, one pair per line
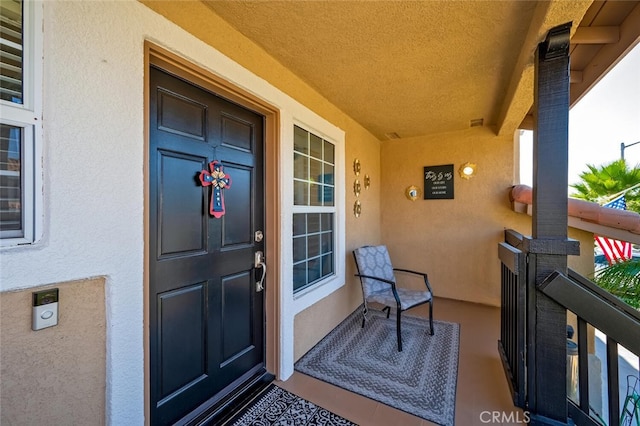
598, 183
621, 279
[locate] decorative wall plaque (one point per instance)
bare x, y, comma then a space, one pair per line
438, 182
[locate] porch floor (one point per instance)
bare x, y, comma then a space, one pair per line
482, 387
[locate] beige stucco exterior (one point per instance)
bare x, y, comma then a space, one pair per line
94, 361
55, 375
455, 240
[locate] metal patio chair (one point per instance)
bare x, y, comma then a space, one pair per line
378, 282
631, 405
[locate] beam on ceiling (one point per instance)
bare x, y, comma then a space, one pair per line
575, 76
596, 35
608, 56
519, 95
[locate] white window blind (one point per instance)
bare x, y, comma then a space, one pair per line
20, 122
11, 51
11, 181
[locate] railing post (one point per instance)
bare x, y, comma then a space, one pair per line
511, 345
549, 244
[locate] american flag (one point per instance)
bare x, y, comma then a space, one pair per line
615, 250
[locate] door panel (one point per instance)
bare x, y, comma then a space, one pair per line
183, 227
182, 318
236, 328
236, 133
182, 116
237, 223
206, 319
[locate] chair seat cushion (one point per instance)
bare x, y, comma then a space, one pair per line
408, 298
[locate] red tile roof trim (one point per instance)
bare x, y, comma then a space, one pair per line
586, 210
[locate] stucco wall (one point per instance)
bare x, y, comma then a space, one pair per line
94, 172
93, 155
314, 322
93, 183
55, 375
455, 241
582, 264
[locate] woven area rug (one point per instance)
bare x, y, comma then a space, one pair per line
276, 406
420, 380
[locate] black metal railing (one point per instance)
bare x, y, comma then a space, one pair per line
594, 308
511, 345
619, 322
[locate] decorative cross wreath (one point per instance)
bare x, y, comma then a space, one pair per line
219, 180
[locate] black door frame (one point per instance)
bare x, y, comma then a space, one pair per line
174, 64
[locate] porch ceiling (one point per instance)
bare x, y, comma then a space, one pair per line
419, 67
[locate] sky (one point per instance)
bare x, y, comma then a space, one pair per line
606, 116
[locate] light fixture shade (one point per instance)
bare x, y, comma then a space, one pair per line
467, 170
412, 192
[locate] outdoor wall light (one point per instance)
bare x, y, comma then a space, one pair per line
412, 192
467, 170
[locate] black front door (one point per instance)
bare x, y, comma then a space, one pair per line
206, 315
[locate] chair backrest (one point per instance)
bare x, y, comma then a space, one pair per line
374, 261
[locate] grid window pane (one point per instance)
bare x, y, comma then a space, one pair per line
299, 276
300, 166
313, 223
313, 187
329, 152
327, 264
299, 249
11, 52
317, 194
327, 242
313, 245
329, 196
327, 221
299, 224
10, 178
312, 248
315, 146
300, 193
300, 140
327, 177
314, 270
315, 171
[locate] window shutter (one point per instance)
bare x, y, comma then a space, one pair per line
11, 90
11, 52
10, 180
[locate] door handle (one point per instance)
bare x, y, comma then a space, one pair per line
259, 262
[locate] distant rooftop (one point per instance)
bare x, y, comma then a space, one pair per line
586, 215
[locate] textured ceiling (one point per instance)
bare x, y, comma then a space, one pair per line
421, 67
411, 68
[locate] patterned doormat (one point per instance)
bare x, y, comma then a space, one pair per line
276, 406
420, 380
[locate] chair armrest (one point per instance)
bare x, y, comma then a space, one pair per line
391, 283
423, 274
410, 271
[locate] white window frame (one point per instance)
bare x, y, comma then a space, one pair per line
324, 287
28, 116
